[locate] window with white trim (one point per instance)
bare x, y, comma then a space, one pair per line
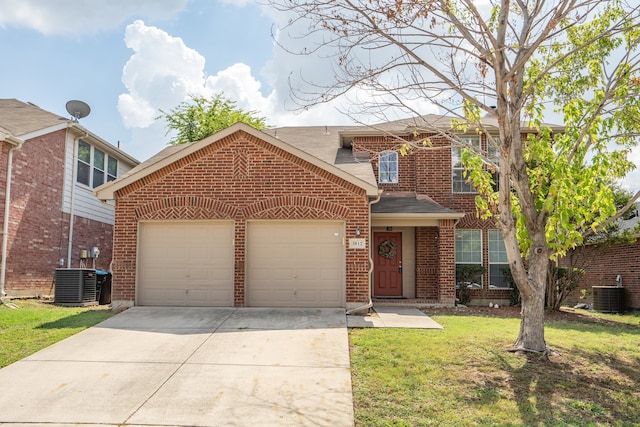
498, 261
388, 167
468, 251
460, 184
94, 166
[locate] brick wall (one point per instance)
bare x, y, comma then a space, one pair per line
429, 172
427, 242
603, 264
38, 229
241, 178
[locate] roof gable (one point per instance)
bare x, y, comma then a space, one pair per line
173, 154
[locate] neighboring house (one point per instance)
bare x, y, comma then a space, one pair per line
49, 166
300, 216
603, 264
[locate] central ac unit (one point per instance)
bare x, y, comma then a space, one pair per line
75, 286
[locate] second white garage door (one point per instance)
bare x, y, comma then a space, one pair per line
295, 264
186, 263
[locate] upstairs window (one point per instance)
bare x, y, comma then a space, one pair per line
459, 181
388, 167
84, 163
94, 166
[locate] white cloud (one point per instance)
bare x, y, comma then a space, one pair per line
135, 111
73, 17
163, 71
238, 84
160, 74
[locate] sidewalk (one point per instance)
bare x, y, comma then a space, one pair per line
393, 317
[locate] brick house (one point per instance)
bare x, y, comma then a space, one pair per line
300, 216
49, 166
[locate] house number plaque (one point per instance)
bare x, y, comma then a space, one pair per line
357, 243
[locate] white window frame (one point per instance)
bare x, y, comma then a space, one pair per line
476, 252
388, 167
107, 174
497, 257
459, 185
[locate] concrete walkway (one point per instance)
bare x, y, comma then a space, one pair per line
195, 366
393, 317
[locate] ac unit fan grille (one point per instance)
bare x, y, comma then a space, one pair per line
75, 286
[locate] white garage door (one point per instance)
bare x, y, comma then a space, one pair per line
186, 264
295, 264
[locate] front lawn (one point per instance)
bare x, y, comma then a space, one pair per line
35, 325
464, 376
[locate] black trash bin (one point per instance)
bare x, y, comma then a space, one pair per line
103, 287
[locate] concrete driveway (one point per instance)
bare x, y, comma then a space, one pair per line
189, 366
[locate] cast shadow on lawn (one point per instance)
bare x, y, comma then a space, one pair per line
598, 325
84, 319
584, 388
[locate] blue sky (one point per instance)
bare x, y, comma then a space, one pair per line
129, 58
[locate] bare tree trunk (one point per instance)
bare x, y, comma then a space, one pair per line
531, 336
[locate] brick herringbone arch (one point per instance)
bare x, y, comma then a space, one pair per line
295, 206
471, 220
186, 207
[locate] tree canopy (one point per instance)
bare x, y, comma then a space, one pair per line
200, 117
497, 67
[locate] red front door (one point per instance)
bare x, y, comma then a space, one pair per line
387, 264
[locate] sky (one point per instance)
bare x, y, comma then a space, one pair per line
129, 59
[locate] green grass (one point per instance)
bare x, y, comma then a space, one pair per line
35, 325
463, 375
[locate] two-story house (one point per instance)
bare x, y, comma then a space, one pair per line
49, 166
301, 216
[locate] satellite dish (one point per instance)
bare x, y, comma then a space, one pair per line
78, 109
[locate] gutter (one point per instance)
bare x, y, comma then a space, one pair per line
103, 144
17, 144
367, 306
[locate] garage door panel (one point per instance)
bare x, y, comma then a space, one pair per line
306, 275
186, 263
295, 264
272, 297
159, 296
328, 274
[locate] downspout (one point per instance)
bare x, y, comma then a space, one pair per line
17, 143
367, 306
74, 171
